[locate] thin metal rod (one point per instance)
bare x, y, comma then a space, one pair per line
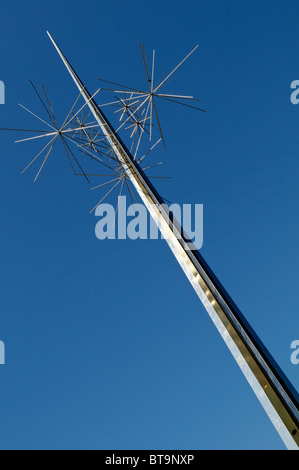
46, 158
36, 116
103, 198
171, 73
46, 146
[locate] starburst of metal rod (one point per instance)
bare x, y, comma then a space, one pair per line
81, 136
65, 133
145, 101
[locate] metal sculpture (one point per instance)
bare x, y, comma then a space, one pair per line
88, 131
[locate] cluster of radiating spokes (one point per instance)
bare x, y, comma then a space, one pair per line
83, 140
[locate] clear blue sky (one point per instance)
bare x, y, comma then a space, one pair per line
107, 345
